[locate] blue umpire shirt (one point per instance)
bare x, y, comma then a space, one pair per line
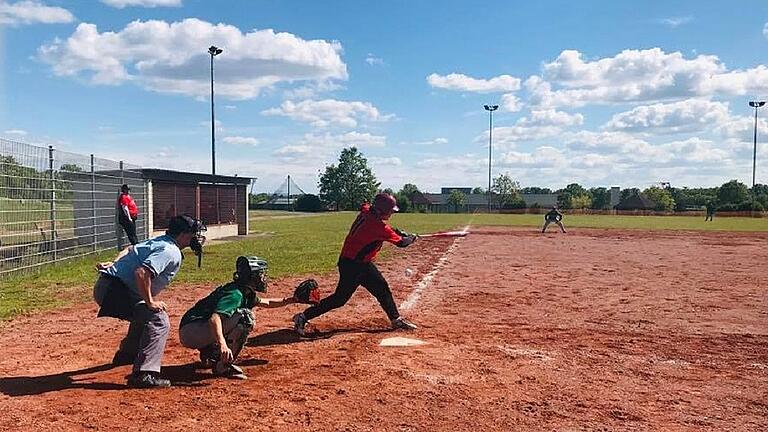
160, 255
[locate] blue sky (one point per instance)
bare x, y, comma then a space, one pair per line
603, 93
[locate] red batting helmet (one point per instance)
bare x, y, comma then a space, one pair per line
385, 203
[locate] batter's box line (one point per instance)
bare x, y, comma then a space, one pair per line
427, 279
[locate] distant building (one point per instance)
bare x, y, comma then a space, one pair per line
542, 200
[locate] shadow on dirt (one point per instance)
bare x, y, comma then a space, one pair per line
31, 385
191, 375
286, 336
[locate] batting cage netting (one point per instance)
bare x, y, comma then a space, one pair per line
285, 196
56, 205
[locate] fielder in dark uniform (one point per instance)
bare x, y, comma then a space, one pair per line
127, 212
711, 208
366, 236
553, 216
219, 324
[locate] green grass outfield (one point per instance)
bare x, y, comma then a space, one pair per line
307, 244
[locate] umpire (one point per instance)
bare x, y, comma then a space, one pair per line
553, 216
127, 289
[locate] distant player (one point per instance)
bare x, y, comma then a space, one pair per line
127, 212
711, 208
219, 324
364, 240
553, 216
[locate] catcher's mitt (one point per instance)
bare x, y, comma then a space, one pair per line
307, 292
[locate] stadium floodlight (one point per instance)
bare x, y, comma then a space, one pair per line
755, 105
490, 109
213, 51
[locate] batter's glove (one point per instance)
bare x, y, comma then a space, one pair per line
307, 292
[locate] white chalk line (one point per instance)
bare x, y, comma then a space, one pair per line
427, 279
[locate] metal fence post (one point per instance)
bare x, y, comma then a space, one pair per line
118, 228
53, 202
93, 205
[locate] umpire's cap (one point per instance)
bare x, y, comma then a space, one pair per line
183, 223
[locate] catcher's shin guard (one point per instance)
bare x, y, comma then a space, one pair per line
239, 334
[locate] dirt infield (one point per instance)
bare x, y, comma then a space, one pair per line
592, 330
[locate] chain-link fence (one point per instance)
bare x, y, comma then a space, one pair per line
56, 205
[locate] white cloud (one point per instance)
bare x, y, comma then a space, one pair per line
18, 132
675, 22
372, 60
385, 161
120, 4
314, 148
167, 57
765, 30
240, 140
510, 103
328, 112
692, 115
639, 76
551, 117
461, 82
32, 12
230, 107
542, 157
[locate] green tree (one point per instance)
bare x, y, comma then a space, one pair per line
581, 201
478, 191
661, 196
309, 203
535, 190
403, 202
565, 195
456, 198
626, 193
350, 183
760, 194
733, 192
505, 190
601, 198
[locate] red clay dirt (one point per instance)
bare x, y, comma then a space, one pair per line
602, 330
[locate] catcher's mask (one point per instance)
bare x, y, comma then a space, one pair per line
188, 224
251, 272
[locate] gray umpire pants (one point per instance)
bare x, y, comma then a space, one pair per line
147, 333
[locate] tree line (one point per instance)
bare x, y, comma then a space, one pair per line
348, 183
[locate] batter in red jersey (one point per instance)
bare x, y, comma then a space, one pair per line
366, 236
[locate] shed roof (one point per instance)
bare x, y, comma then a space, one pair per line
190, 177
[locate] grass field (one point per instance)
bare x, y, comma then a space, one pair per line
300, 243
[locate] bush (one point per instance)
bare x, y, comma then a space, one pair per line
535, 206
749, 205
517, 203
309, 203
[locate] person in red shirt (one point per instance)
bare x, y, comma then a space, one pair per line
366, 236
127, 212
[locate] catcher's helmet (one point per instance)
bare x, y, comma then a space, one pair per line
385, 203
251, 271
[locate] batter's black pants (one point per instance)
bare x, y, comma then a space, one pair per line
129, 227
351, 275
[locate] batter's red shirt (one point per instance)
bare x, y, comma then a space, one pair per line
366, 236
127, 200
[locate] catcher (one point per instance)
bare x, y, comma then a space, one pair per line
553, 216
366, 236
219, 324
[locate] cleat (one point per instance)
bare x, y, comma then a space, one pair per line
299, 322
147, 380
403, 324
229, 371
209, 356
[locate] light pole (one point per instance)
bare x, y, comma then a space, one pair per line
490, 109
213, 51
755, 105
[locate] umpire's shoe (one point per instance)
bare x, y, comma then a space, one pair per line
147, 380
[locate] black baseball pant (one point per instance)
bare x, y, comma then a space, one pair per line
129, 227
352, 274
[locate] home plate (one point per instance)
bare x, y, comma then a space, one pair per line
400, 342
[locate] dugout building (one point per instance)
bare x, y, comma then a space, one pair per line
221, 202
